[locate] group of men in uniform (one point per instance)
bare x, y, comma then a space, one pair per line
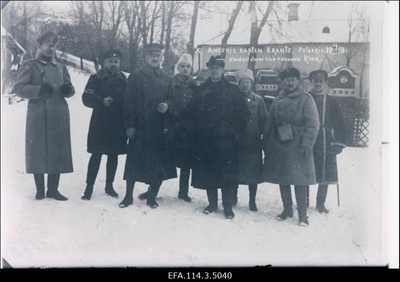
219, 131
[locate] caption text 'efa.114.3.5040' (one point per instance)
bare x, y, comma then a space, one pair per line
199, 275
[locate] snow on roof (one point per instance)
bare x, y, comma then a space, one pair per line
5, 33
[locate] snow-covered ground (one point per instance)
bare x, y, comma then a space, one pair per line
78, 233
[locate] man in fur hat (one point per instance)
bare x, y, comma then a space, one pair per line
250, 149
289, 136
183, 130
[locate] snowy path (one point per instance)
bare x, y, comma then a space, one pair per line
99, 233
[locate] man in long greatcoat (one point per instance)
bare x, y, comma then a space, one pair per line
148, 104
250, 147
220, 113
104, 93
183, 141
331, 136
46, 83
289, 137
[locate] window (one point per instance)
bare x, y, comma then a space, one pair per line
326, 30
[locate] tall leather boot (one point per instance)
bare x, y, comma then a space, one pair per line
286, 195
321, 197
252, 197
112, 163
153, 192
39, 182
235, 196
301, 199
52, 188
184, 185
308, 196
227, 202
212, 195
93, 170
144, 195
128, 199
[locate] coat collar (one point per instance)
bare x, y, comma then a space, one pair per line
43, 61
103, 73
223, 81
318, 94
149, 71
189, 81
296, 93
251, 95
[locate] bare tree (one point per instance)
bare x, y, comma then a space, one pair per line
190, 48
163, 8
115, 16
256, 30
81, 11
172, 9
232, 20
155, 16
143, 21
358, 30
131, 20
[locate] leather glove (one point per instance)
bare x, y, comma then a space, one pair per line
66, 89
306, 152
46, 90
130, 132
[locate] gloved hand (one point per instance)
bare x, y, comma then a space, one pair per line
108, 101
130, 132
336, 148
305, 151
46, 90
66, 89
162, 108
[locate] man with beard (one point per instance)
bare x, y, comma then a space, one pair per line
219, 113
149, 102
104, 93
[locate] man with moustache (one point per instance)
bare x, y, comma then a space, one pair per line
289, 136
250, 149
149, 102
183, 130
104, 93
219, 114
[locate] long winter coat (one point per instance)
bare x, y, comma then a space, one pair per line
149, 157
106, 131
332, 130
183, 141
250, 146
220, 113
48, 141
284, 163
